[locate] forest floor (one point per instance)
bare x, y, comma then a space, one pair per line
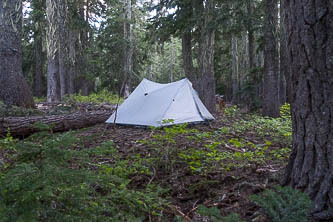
200, 170
198, 178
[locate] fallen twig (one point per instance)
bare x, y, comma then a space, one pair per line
152, 178
177, 211
233, 149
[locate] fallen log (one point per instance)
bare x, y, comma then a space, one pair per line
24, 126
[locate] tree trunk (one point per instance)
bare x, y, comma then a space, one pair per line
128, 49
250, 36
254, 79
62, 14
282, 89
271, 84
52, 41
172, 62
206, 82
39, 34
127, 90
235, 79
310, 50
14, 90
187, 55
283, 58
24, 126
72, 61
82, 45
203, 79
53, 86
73, 43
284, 68
39, 60
149, 72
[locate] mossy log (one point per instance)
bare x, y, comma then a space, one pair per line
24, 126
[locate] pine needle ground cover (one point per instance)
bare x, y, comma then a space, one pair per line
178, 173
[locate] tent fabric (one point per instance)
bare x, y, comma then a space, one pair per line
153, 104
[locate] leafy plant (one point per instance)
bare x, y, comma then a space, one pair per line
231, 111
163, 144
225, 130
279, 129
281, 153
285, 111
284, 204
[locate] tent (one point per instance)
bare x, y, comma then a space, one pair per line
155, 104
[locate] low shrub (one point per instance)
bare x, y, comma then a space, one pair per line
48, 181
213, 213
284, 204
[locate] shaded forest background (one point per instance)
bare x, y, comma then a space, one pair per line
90, 45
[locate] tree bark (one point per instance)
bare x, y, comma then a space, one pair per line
53, 86
235, 77
271, 83
52, 41
74, 46
203, 79
206, 79
14, 90
72, 61
82, 45
62, 14
187, 55
253, 76
310, 50
24, 126
282, 89
284, 74
172, 62
39, 59
284, 68
128, 49
39, 34
250, 34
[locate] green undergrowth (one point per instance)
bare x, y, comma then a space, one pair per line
102, 96
213, 213
40, 99
218, 151
47, 180
278, 130
56, 177
15, 111
284, 204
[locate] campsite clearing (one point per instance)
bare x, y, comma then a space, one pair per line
216, 165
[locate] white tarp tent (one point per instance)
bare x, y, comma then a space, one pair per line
151, 104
